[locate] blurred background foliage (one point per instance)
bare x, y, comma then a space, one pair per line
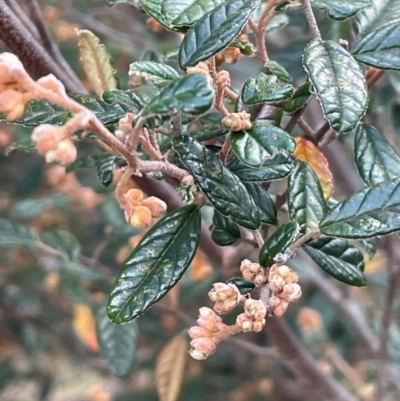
51, 290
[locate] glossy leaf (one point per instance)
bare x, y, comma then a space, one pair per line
309, 153
272, 169
97, 62
244, 286
224, 231
276, 69
16, 234
376, 159
214, 31
278, 242
192, 94
263, 201
300, 97
170, 368
341, 9
339, 83
305, 198
156, 264
118, 344
370, 212
105, 170
338, 258
62, 241
265, 88
152, 71
262, 141
222, 188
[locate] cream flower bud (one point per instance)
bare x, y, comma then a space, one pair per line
277, 306
140, 217
260, 278
276, 282
199, 356
258, 325
209, 319
237, 121
255, 309
291, 292
157, 206
244, 322
205, 345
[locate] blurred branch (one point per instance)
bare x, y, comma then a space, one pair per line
31, 53
17, 10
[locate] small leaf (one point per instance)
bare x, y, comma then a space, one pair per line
244, 286
341, 9
276, 69
62, 241
339, 83
305, 198
370, 212
214, 31
16, 234
278, 242
118, 344
26, 145
191, 94
265, 88
155, 72
376, 159
263, 201
105, 169
170, 368
30, 208
84, 326
222, 188
309, 153
97, 62
272, 169
338, 258
156, 264
224, 231
262, 141
300, 97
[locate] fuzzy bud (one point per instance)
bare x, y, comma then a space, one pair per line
65, 153
277, 306
258, 325
9, 65
276, 283
47, 138
50, 82
260, 278
140, 217
13, 104
253, 272
255, 309
237, 121
199, 332
202, 347
157, 206
135, 195
291, 292
244, 322
209, 319
224, 79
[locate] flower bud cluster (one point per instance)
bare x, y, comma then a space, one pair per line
253, 272
125, 126
253, 318
283, 283
226, 297
237, 121
54, 143
204, 339
139, 211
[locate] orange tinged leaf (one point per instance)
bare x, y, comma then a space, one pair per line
84, 325
309, 153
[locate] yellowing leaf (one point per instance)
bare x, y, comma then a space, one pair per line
200, 267
84, 325
97, 62
309, 153
170, 368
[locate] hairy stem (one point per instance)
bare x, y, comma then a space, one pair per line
312, 22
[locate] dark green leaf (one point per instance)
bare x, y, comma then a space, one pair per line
272, 169
88, 161
305, 197
16, 234
62, 241
27, 146
370, 212
338, 258
155, 72
118, 344
224, 231
105, 170
214, 31
376, 160
192, 94
300, 97
133, 2
341, 9
380, 48
263, 201
339, 83
278, 242
29, 208
275, 68
222, 188
156, 264
265, 88
244, 286
262, 141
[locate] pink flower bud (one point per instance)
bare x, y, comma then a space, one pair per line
260, 278
258, 325
291, 292
244, 322
205, 345
276, 282
208, 319
277, 306
198, 332
255, 309
52, 83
